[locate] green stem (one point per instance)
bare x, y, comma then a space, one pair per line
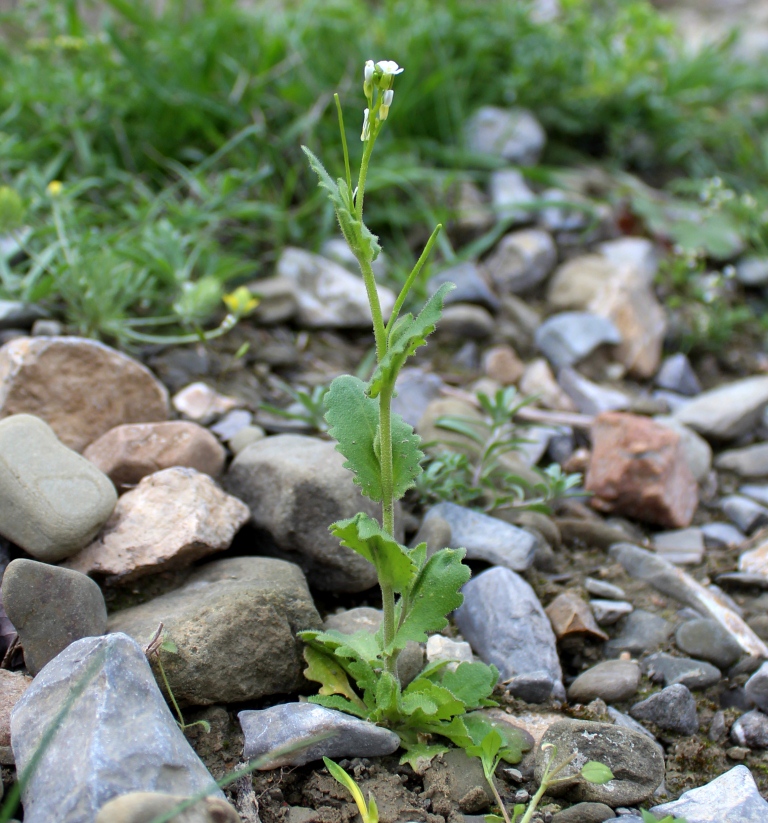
160, 666
504, 812
412, 277
343, 142
387, 510
535, 801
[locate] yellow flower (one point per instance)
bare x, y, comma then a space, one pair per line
54, 188
241, 302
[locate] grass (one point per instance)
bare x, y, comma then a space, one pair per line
177, 133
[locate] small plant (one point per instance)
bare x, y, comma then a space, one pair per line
158, 644
358, 672
307, 407
649, 818
370, 812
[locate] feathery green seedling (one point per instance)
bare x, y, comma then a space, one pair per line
358, 672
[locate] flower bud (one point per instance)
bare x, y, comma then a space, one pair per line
386, 102
368, 79
388, 69
366, 133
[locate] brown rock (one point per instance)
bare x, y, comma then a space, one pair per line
81, 388
501, 363
638, 468
128, 453
144, 807
201, 403
570, 615
12, 687
171, 519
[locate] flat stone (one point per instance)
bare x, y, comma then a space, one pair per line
755, 491
613, 681
751, 730
732, 796
630, 755
674, 582
642, 631
328, 295
171, 519
128, 453
569, 337
12, 687
638, 469
486, 538
464, 321
202, 404
295, 487
585, 813
676, 374
470, 284
729, 411
234, 623
707, 639
510, 195
52, 501
570, 615
115, 737
672, 709
755, 561
757, 687
589, 397
608, 612
503, 621
51, 608
230, 425
749, 462
514, 135
722, 535
521, 261
295, 725
81, 388
680, 546
144, 807
745, 513
603, 589
694, 674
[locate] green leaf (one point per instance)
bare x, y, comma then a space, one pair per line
169, 646
349, 784
514, 744
324, 669
392, 561
419, 755
472, 683
596, 772
387, 696
407, 335
424, 697
434, 594
335, 701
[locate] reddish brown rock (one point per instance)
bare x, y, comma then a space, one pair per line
81, 388
570, 615
12, 687
171, 519
638, 468
126, 454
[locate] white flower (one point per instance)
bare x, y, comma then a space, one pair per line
386, 102
368, 79
388, 69
366, 126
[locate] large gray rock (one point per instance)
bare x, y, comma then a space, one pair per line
514, 135
52, 501
486, 538
297, 725
634, 759
750, 461
50, 608
505, 624
727, 412
731, 797
611, 680
116, 736
568, 337
234, 623
295, 487
673, 709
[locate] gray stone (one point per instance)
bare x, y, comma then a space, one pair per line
234, 623
744, 512
338, 250
278, 301
585, 813
329, 296
731, 797
295, 725
514, 135
642, 631
589, 397
757, 687
470, 286
694, 674
295, 487
411, 659
674, 582
565, 211
116, 736
698, 453
676, 374
17, 315
729, 411
707, 639
608, 612
443, 648
146, 807
635, 761
244, 438
752, 271
486, 538
638, 252
751, 729
672, 709
232, 423
50, 608
613, 681
52, 501
521, 260
463, 321
505, 624
566, 338
680, 546
750, 461
454, 777
602, 588
722, 535
627, 722
755, 491
510, 195
415, 390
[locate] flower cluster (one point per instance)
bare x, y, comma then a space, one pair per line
378, 77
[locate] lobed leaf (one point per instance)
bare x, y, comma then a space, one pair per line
472, 683
324, 669
433, 701
408, 334
393, 563
419, 755
336, 701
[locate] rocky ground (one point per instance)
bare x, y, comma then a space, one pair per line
628, 625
